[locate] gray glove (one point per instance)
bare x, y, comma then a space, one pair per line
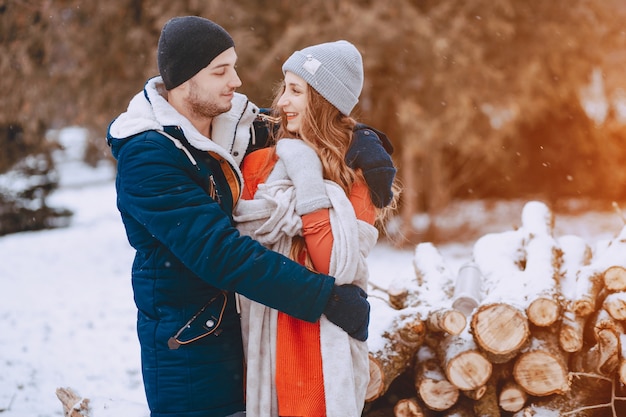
304, 169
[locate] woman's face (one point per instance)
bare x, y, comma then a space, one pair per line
293, 101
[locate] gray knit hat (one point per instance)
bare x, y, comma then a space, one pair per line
187, 45
333, 69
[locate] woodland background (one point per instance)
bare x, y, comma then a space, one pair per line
482, 99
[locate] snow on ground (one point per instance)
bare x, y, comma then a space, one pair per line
67, 317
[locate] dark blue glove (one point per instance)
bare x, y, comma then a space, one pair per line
260, 132
371, 151
349, 309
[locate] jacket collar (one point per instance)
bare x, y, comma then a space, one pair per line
150, 110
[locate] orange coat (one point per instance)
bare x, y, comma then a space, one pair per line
299, 377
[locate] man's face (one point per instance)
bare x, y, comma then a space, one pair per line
210, 91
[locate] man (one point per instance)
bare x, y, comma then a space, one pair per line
176, 190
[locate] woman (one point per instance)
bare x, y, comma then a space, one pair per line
302, 199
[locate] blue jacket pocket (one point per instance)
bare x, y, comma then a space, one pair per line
205, 322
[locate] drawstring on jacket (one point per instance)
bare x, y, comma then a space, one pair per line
180, 146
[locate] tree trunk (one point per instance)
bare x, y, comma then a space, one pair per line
407, 407
615, 305
571, 332
487, 404
541, 270
589, 396
500, 330
607, 332
431, 383
475, 394
446, 320
544, 311
615, 278
512, 397
589, 287
397, 296
464, 365
542, 368
401, 340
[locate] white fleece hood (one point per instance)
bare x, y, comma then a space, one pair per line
149, 110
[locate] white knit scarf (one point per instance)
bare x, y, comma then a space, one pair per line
271, 219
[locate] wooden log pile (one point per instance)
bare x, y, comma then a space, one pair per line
512, 332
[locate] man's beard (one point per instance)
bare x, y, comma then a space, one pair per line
202, 108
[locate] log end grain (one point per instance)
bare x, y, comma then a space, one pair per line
540, 373
615, 305
476, 394
450, 321
469, 370
615, 278
455, 322
500, 329
512, 397
543, 312
438, 395
407, 407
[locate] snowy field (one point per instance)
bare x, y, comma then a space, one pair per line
67, 317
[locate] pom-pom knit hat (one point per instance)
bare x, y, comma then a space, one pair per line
333, 69
187, 45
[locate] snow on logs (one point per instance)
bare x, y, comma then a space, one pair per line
528, 314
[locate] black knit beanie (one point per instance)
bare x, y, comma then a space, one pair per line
187, 45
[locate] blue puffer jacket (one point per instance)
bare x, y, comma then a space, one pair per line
187, 251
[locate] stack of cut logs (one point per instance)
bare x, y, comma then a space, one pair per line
534, 324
